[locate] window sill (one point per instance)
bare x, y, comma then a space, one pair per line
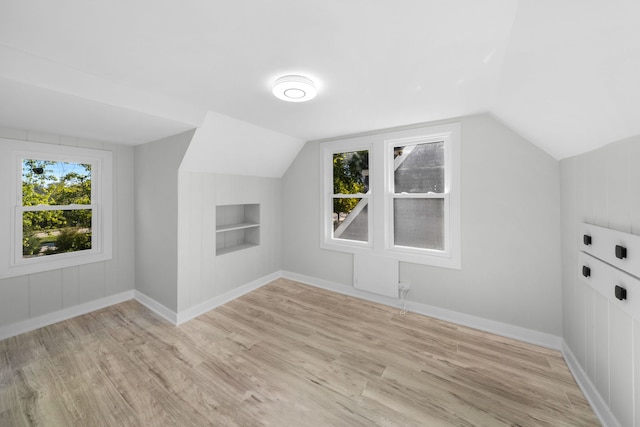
53, 264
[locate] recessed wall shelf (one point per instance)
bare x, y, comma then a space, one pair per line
237, 227
221, 228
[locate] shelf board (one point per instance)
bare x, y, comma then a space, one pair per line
223, 251
230, 227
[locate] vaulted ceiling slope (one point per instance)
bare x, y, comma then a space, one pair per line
564, 74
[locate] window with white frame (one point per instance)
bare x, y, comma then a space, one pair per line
56, 210
396, 194
61, 212
350, 197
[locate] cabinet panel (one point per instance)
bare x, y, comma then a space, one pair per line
615, 316
636, 370
601, 308
621, 366
590, 350
581, 322
604, 278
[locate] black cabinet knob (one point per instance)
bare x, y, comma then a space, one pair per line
586, 239
586, 271
621, 252
621, 293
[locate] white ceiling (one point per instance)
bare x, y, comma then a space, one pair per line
563, 73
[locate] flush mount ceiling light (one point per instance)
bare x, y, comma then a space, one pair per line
294, 88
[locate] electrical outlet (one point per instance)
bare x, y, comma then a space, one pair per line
403, 287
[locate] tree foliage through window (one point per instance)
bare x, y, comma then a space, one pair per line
350, 176
50, 231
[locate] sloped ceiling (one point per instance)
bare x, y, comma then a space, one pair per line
216, 143
570, 78
563, 74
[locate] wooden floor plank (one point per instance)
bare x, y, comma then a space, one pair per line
8, 396
283, 355
43, 397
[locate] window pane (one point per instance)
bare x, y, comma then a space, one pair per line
46, 182
419, 223
351, 219
351, 172
419, 168
55, 232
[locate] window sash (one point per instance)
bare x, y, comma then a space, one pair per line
327, 169
413, 249
96, 235
96, 166
355, 211
390, 167
18, 257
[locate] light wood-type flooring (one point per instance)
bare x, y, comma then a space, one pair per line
283, 355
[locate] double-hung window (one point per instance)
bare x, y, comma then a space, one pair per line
61, 213
395, 194
349, 204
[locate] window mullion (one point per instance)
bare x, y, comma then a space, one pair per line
419, 195
351, 196
38, 208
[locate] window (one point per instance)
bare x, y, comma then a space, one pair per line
395, 194
56, 212
418, 196
350, 196
62, 207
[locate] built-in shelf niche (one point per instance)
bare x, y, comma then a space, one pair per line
237, 227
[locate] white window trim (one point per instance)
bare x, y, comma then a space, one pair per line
12, 263
330, 148
380, 148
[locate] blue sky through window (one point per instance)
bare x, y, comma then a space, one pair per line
57, 169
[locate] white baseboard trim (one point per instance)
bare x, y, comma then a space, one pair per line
596, 401
64, 314
193, 312
487, 325
516, 332
159, 309
153, 305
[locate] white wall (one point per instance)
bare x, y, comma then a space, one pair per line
179, 182
27, 297
228, 162
156, 217
510, 232
201, 274
602, 187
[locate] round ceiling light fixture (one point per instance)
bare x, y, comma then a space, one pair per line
294, 88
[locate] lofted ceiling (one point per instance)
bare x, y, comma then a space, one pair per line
564, 74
